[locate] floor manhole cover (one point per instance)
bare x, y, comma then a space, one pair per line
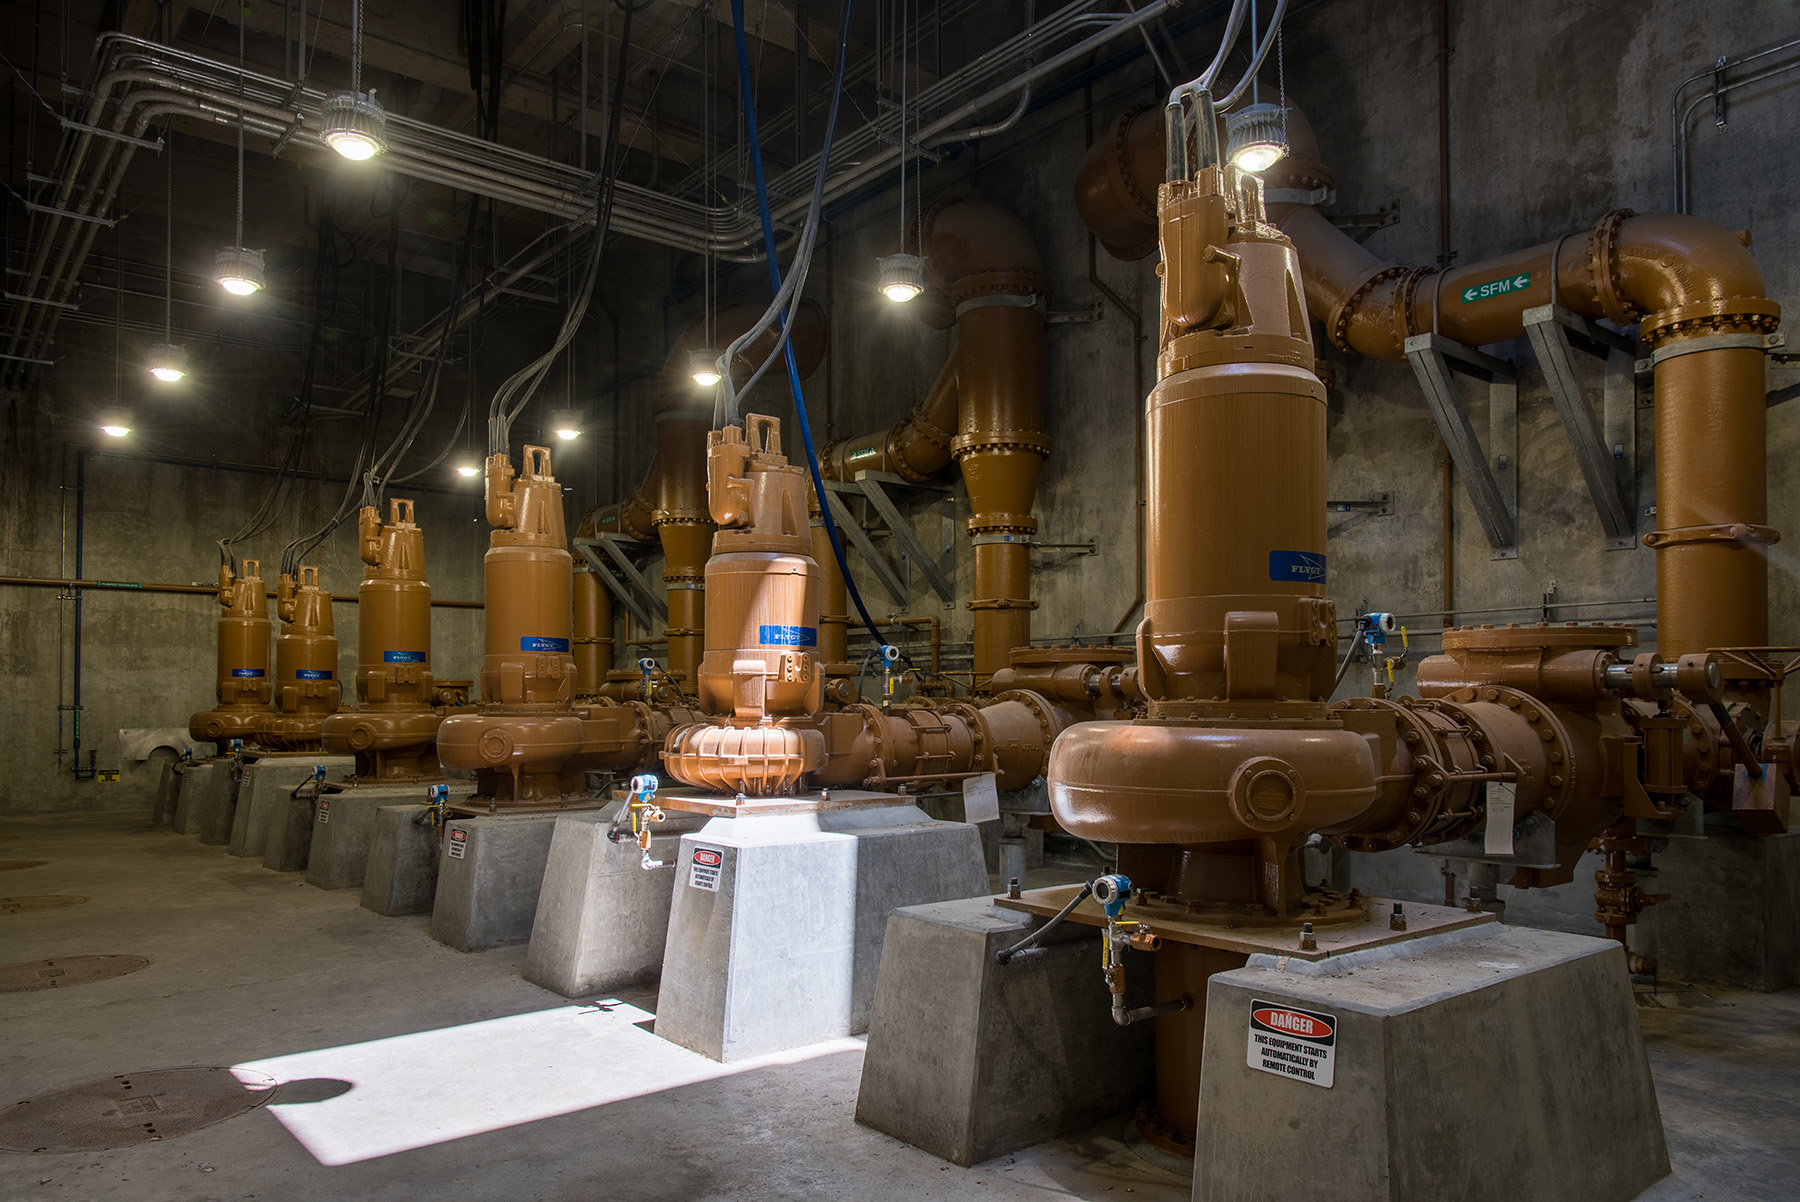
41, 901
9, 865
29, 975
131, 1108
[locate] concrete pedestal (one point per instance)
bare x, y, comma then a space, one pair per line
400, 876
344, 828
970, 1060
200, 785
779, 947
1498, 1064
602, 918
488, 895
168, 788
263, 798
209, 816
1733, 915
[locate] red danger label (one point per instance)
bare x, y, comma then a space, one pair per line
708, 857
1294, 1022
458, 834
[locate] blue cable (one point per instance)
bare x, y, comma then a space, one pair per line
768, 232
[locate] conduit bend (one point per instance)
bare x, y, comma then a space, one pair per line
1691, 287
984, 274
670, 503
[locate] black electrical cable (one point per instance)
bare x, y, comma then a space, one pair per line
1006, 954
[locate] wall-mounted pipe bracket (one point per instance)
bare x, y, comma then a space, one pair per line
1064, 317
1491, 476
859, 537
633, 590
1605, 449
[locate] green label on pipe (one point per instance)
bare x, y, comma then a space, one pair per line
117, 584
1499, 287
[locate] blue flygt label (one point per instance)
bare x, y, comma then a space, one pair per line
788, 636
1305, 567
402, 657
541, 643
312, 673
253, 672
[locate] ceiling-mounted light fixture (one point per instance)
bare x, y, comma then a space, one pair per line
115, 422
167, 362
353, 123
566, 423
902, 276
239, 269
1256, 137
703, 365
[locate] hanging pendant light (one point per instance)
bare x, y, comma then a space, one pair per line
901, 276
1256, 137
703, 365
353, 123
166, 361
239, 269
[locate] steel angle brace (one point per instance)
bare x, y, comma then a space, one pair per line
634, 592
1605, 449
870, 484
1491, 476
853, 529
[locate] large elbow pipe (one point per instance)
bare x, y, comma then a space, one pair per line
1692, 288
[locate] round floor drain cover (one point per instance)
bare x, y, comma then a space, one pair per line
41, 901
131, 1108
9, 865
29, 975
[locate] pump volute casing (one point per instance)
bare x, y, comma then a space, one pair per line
244, 633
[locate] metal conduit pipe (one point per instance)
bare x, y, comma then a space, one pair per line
1690, 286
670, 504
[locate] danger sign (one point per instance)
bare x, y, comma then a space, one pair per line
1290, 1042
703, 868
459, 842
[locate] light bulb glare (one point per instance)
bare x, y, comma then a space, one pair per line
467, 471
239, 270
115, 430
900, 277
1256, 137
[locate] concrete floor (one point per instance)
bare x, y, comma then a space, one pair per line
466, 1082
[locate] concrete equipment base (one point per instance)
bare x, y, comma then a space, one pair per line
168, 788
970, 1060
199, 783
1733, 915
210, 815
344, 827
401, 872
488, 895
1493, 1064
263, 800
779, 947
602, 918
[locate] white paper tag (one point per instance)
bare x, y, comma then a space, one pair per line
1502, 802
703, 868
981, 798
1301, 1044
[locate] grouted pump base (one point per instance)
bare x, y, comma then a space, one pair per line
776, 928
490, 869
1492, 1064
207, 787
263, 796
602, 917
344, 828
970, 1060
400, 874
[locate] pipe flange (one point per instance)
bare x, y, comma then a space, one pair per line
1001, 523
1040, 708
1737, 315
1339, 325
1422, 727
1035, 441
1603, 268
1559, 778
1023, 284
1117, 164
1405, 308
1730, 532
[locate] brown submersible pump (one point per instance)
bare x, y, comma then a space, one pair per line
1213, 794
761, 669
530, 744
306, 687
393, 731
243, 680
